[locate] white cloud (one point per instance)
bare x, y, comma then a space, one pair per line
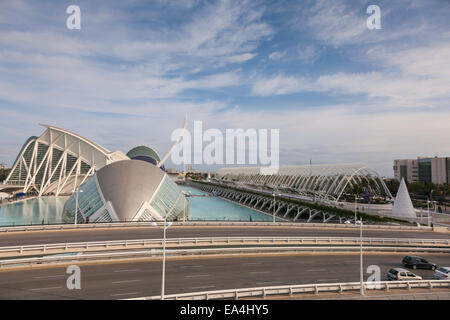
335, 22
241, 57
276, 55
120, 85
279, 85
308, 54
415, 77
337, 134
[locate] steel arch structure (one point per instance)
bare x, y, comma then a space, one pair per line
58, 162
322, 181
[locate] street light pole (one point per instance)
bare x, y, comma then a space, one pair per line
428, 209
274, 194
356, 199
274, 207
163, 282
435, 209
184, 210
76, 204
164, 263
361, 274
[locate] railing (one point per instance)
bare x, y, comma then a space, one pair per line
109, 256
211, 241
51, 227
290, 290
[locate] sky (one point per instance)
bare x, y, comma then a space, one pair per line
337, 91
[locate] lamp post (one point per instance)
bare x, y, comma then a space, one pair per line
361, 274
275, 193
428, 210
166, 225
356, 199
435, 207
76, 203
184, 209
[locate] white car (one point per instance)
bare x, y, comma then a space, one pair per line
442, 273
401, 274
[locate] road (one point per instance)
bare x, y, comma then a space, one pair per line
47, 237
143, 278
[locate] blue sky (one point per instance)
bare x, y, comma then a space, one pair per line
337, 91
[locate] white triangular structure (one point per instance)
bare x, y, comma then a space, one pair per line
403, 206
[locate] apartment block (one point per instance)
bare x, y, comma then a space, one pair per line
423, 169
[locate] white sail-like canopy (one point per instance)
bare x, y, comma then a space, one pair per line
403, 206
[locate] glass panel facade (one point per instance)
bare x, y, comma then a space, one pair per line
104, 217
89, 201
169, 199
146, 216
425, 170
403, 173
20, 172
447, 163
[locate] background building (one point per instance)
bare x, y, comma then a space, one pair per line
423, 170
407, 169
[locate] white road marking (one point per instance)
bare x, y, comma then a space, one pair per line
129, 270
49, 288
46, 277
203, 287
323, 280
318, 270
251, 263
255, 272
268, 282
188, 267
124, 294
125, 281
197, 275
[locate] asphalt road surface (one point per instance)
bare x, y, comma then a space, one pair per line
46, 237
137, 279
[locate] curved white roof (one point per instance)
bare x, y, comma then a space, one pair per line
330, 180
58, 161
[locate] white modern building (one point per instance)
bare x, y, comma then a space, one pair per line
128, 190
57, 162
111, 186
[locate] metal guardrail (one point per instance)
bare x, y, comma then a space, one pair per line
206, 251
53, 227
210, 241
301, 289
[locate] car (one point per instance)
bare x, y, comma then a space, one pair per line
415, 262
400, 274
442, 273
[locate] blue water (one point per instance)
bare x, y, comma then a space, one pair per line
213, 208
49, 210
33, 211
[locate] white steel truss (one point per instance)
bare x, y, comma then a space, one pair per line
324, 181
58, 161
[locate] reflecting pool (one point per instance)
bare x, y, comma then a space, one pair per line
48, 210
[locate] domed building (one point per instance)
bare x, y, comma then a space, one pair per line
145, 153
128, 190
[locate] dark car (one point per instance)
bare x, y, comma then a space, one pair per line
418, 263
